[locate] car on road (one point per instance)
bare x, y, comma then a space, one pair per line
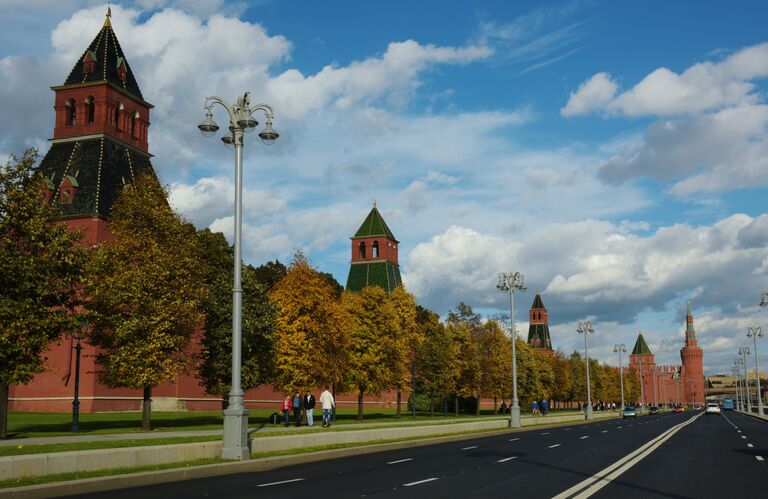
629, 412
712, 408
728, 404
653, 410
678, 408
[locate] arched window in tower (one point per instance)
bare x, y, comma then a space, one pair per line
71, 112
375, 250
118, 108
361, 250
90, 108
134, 129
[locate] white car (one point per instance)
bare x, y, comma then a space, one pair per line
712, 408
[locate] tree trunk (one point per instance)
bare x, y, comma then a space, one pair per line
399, 398
3, 411
495, 405
360, 405
477, 407
146, 409
456, 406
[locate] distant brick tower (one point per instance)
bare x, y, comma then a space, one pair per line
643, 362
100, 135
374, 255
538, 329
693, 364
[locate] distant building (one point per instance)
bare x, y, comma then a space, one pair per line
538, 329
671, 384
374, 255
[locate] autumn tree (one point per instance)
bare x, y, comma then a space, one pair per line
40, 269
534, 374
215, 357
495, 362
145, 292
375, 323
312, 330
465, 365
404, 343
434, 356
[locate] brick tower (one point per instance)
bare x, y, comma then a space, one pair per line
538, 329
100, 135
374, 255
692, 373
642, 361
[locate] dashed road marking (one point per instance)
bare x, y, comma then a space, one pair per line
545, 433
506, 459
514, 439
743, 436
604, 431
759, 458
401, 461
585, 436
567, 429
750, 445
554, 445
420, 482
468, 448
279, 483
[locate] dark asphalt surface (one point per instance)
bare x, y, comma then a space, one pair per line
534, 463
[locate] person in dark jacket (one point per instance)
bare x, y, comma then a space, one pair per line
309, 408
297, 408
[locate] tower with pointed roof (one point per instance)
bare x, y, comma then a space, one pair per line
643, 362
374, 255
100, 136
538, 329
692, 357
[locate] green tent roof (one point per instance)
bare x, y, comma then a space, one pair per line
384, 274
374, 226
537, 303
641, 347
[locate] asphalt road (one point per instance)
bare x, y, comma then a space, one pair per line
670, 455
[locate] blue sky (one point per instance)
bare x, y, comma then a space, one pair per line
616, 153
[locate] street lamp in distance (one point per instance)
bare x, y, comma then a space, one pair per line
621, 348
585, 328
755, 333
508, 282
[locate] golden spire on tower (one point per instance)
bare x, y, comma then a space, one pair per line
109, 14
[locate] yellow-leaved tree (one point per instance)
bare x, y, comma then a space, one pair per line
375, 324
312, 330
144, 292
405, 342
496, 362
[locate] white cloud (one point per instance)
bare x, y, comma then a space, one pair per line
591, 95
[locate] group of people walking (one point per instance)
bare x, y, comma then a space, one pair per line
307, 403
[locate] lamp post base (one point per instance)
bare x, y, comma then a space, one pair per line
514, 417
236, 435
589, 416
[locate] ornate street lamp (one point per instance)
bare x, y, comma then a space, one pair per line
585, 328
735, 372
744, 351
621, 348
508, 282
240, 121
755, 333
643, 402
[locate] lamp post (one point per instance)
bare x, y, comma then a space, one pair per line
643, 402
508, 282
585, 328
235, 445
654, 385
76, 400
754, 333
744, 351
735, 372
621, 348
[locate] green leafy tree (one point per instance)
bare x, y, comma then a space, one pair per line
258, 316
465, 365
40, 269
270, 273
534, 374
375, 322
434, 356
404, 343
312, 330
145, 292
496, 362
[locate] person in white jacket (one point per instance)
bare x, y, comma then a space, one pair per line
326, 398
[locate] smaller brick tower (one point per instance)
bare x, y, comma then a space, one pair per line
643, 362
538, 329
693, 363
374, 255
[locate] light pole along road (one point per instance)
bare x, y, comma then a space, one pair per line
235, 445
755, 333
585, 328
621, 348
508, 282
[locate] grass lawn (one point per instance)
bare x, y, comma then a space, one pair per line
30, 424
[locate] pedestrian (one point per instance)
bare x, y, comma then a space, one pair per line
544, 407
535, 408
503, 407
296, 404
309, 408
287, 410
326, 399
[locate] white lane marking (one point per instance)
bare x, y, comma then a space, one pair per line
420, 482
279, 483
750, 445
554, 445
619, 427
468, 448
545, 433
743, 436
604, 431
759, 458
605, 476
514, 439
567, 429
401, 461
506, 459
585, 436
738, 431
